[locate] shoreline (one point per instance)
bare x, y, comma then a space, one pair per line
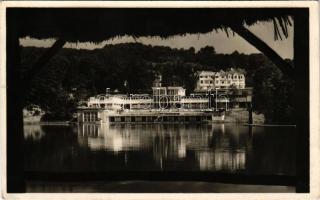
271, 125
66, 123
48, 123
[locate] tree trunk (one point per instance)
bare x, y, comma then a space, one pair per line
42, 61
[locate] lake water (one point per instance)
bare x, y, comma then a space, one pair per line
228, 148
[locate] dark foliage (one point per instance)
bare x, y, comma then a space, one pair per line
73, 75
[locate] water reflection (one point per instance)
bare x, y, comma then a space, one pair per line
161, 147
33, 131
222, 160
212, 147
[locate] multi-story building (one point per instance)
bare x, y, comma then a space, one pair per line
214, 96
209, 80
166, 96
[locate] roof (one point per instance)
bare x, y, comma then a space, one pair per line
232, 71
175, 87
99, 24
210, 73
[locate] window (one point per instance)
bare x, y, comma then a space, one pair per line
201, 81
210, 82
86, 117
217, 82
229, 82
222, 82
94, 116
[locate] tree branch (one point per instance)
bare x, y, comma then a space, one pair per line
285, 67
44, 59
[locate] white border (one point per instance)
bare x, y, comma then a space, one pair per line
314, 97
160, 4
3, 102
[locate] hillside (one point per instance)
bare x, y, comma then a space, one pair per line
73, 75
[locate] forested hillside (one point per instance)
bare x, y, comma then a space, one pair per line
73, 75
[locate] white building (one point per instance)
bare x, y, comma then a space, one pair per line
120, 102
209, 80
166, 96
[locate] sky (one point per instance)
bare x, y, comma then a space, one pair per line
219, 40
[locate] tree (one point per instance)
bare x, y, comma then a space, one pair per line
272, 94
84, 73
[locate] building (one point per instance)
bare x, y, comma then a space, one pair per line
209, 80
166, 104
217, 93
120, 102
167, 97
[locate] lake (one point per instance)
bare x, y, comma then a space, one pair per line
228, 148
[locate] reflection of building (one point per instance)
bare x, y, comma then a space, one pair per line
208, 80
212, 147
222, 160
103, 137
228, 151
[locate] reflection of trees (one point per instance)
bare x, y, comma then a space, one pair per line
273, 151
33, 132
54, 151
